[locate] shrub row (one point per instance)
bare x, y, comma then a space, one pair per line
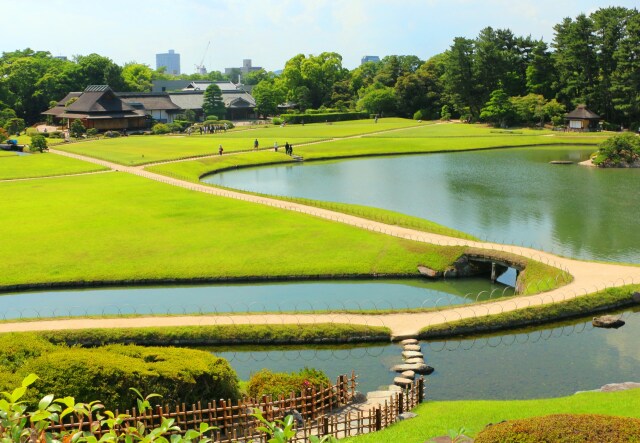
275, 384
322, 118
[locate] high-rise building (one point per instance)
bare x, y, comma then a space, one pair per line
369, 58
170, 61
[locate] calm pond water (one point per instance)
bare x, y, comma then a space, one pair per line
536, 363
382, 294
509, 196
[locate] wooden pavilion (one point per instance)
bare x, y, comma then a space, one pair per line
582, 120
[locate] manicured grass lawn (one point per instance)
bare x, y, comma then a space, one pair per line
43, 165
7, 154
437, 418
117, 226
138, 150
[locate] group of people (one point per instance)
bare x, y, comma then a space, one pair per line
288, 149
208, 129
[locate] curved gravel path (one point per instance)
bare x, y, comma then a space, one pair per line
588, 276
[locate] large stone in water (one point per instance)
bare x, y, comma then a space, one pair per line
401, 381
607, 321
418, 368
395, 388
409, 374
409, 341
412, 354
412, 348
414, 360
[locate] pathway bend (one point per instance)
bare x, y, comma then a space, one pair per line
588, 277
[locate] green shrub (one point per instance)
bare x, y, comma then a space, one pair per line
321, 118
619, 150
92, 132
417, 115
212, 118
276, 120
17, 348
32, 131
112, 134
55, 134
160, 128
563, 428
178, 375
275, 384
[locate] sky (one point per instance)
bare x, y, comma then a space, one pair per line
270, 32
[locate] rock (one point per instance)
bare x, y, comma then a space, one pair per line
607, 321
409, 374
406, 416
297, 417
379, 394
414, 360
359, 397
412, 354
428, 272
636, 297
403, 382
409, 341
395, 388
418, 368
412, 348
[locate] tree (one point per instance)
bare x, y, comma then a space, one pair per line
498, 109
14, 125
213, 104
268, 95
541, 73
38, 143
529, 109
554, 111
378, 99
95, 69
137, 77
77, 128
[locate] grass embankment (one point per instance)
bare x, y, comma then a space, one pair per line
117, 227
324, 333
437, 418
140, 150
605, 300
43, 165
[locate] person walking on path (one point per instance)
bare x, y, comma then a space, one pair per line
286, 148
291, 150
275, 146
220, 150
255, 145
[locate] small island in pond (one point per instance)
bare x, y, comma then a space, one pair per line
619, 151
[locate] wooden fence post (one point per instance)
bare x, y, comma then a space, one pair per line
420, 389
400, 402
378, 424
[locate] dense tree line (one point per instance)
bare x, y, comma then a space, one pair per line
497, 77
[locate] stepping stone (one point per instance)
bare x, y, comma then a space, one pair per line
395, 388
378, 394
406, 416
418, 368
411, 354
409, 374
409, 341
412, 348
403, 382
414, 360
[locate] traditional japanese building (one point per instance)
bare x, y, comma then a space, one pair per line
100, 108
582, 120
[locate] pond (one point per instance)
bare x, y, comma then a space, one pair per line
533, 363
509, 196
266, 297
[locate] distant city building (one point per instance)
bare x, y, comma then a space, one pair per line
245, 69
170, 61
369, 58
60, 57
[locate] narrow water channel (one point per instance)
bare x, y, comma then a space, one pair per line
533, 363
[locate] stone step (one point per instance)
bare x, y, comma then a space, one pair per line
402, 382
418, 368
412, 348
409, 341
412, 354
409, 374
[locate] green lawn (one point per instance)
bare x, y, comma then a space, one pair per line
42, 165
7, 154
437, 418
138, 150
117, 226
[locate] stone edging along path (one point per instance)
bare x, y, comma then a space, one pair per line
588, 276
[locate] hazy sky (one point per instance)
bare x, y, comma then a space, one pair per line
270, 31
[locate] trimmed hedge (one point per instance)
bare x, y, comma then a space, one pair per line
563, 428
178, 375
322, 118
222, 334
275, 384
17, 348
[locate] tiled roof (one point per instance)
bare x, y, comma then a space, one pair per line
149, 100
582, 113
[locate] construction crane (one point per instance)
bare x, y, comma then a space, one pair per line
200, 69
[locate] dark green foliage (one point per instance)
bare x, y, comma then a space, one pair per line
92, 132
321, 118
563, 428
108, 373
213, 104
38, 143
77, 128
275, 384
160, 128
619, 150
